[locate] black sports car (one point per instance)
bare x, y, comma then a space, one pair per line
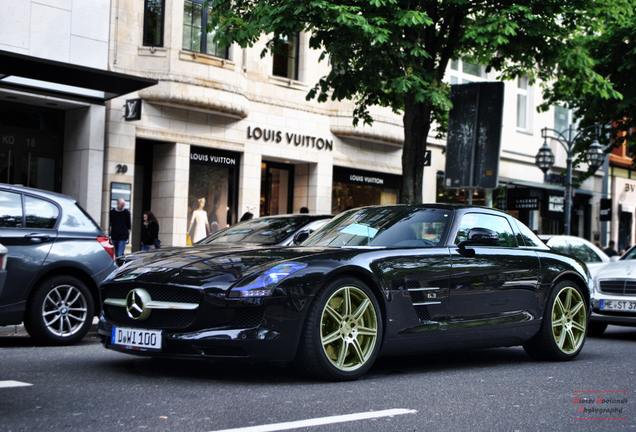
373, 281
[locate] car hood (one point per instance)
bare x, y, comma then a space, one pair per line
208, 266
617, 269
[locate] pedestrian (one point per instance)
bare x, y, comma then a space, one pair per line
150, 232
247, 216
119, 226
304, 210
609, 250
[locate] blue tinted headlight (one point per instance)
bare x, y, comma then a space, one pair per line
263, 284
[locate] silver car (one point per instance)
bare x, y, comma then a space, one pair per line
57, 257
614, 294
578, 247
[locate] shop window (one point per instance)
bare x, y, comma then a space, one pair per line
285, 53
153, 22
195, 19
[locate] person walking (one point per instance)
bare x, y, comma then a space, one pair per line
150, 232
609, 250
119, 226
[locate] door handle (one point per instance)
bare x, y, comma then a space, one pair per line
38, 237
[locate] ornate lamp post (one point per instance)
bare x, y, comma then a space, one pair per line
594, 156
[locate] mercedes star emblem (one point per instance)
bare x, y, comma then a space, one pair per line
136, 302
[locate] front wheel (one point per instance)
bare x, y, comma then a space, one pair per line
60, 311
342, 333
563, 328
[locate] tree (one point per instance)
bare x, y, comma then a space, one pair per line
614, 53
394, 53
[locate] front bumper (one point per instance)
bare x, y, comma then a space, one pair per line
273, 337
627, 318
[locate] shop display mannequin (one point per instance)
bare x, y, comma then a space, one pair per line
199, 226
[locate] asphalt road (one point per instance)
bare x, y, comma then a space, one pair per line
88, 388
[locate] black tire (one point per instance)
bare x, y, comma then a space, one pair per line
563, 327
342, 333
596, 328
60, 311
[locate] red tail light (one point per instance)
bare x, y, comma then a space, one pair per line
108, 245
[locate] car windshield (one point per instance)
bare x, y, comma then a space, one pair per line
398, 226
630, 255
267, 231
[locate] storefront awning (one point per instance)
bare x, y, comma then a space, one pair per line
537, 185
49, 77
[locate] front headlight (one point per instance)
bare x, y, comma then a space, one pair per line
263, 284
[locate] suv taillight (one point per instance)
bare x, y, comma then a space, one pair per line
108, 245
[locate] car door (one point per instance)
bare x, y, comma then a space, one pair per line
27, 230
495, 284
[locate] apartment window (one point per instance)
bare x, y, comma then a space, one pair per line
463, 72
286, 57
522, 102
195, 19
153, 22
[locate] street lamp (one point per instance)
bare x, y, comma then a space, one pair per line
594, 156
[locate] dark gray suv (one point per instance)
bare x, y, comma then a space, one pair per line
57, 257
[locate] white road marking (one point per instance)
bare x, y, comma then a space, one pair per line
9, 384
321, 421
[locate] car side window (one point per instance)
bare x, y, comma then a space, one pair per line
10, 210
498, 224
561, 246
39, 213
584, 253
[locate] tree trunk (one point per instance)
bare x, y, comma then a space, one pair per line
417, 124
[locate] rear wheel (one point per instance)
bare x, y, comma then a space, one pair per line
342, 333
60, 311
564, 325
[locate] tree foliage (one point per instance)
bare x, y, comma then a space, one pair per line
613, 50
395, 53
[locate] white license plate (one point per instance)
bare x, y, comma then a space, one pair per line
618, 305
136, 339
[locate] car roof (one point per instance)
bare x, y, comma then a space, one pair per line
41, 192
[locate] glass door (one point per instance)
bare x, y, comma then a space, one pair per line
277, 188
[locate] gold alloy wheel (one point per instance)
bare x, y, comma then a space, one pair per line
349, 328
569, 320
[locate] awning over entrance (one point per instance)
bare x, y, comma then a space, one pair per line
49, 77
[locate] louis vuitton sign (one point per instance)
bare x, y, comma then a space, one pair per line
291, 139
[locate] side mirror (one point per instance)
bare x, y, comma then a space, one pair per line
300, 237
480, 237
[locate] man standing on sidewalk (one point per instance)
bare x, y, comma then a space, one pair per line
120, 226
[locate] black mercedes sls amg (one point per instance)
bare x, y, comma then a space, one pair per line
374, 281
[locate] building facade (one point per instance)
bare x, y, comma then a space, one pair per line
54, 82
227, 131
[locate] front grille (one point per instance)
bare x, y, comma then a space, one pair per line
618, 287
158, 318
157, 293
